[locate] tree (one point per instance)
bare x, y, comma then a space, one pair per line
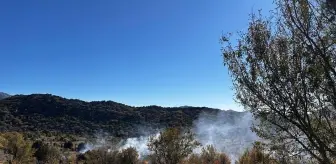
129, 156
68, 145
210, 155
100, 156
37, 144
223, 159
3, 142
257, 156
172, 146
284, 72
48, 154
14, 144
194, 159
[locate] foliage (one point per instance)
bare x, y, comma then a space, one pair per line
223, 159
14, 144
129, 156
68, 145
284, 72
52, 115
37, 144
193, 159
172, 146
100, 157
257, 156
3, 142
47, 154
209, 155
125, 156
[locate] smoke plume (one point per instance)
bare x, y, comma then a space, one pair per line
228, 132
99, 142
140, 144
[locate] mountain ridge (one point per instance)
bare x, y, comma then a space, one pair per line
47, 112
4, 95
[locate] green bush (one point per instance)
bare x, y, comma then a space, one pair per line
256, 156
68, 145
14, 144
209, 155
47, 154
172, 146
128, 156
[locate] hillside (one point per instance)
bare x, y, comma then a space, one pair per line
3, 95
45, 112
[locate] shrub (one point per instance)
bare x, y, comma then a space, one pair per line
255, 156
37, 144
172, 146
129, 156
193, 159
48, 154
209, 155
14, 144
100, 157
68, 145
224, 159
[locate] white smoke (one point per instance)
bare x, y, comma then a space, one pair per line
140, 144
99, 142
227, 131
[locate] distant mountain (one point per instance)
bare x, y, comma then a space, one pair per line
49, 113
3, 95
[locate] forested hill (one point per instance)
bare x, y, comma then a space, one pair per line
45, 112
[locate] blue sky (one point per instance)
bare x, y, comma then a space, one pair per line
163, 52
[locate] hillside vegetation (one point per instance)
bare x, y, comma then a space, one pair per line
172, 146
49, 113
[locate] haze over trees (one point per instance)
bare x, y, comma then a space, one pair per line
61, 130
54, 114
171, 146
284, 72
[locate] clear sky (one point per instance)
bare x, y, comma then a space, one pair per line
137, 52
